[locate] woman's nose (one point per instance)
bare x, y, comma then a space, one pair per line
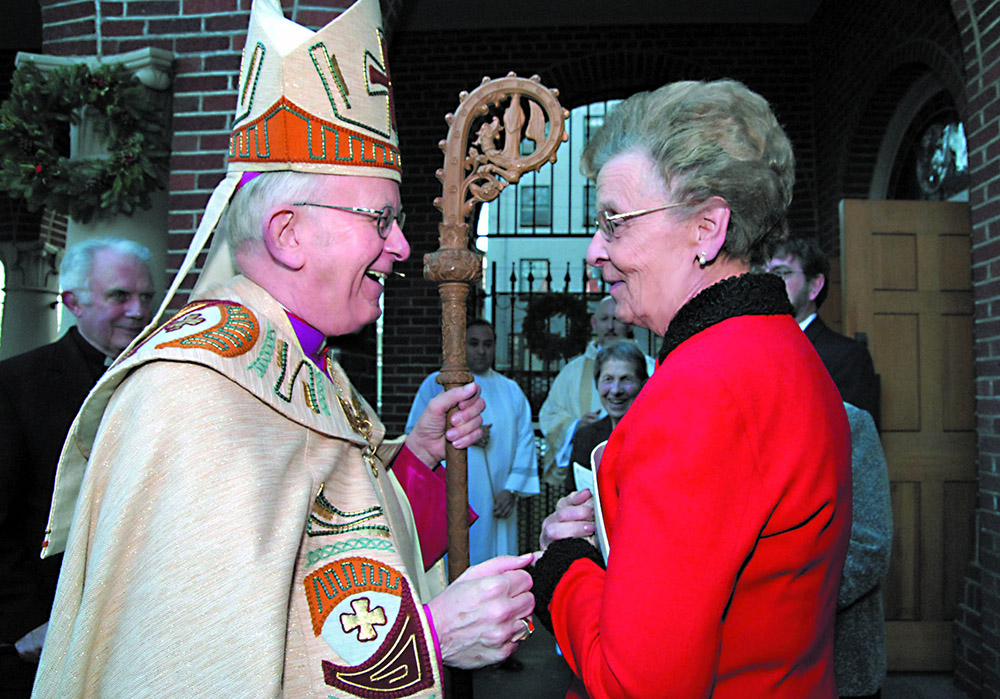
597, 255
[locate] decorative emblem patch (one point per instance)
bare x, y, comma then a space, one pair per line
223, 327
365, 611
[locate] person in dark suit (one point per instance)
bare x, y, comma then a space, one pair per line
803, 267
108, 287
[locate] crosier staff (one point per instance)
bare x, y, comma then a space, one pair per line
476, 173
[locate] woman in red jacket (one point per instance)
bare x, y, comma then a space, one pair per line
726, 488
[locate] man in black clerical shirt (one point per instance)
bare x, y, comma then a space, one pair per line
107, 285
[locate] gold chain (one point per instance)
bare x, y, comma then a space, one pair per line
357, 417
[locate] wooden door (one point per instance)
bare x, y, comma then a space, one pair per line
906, 276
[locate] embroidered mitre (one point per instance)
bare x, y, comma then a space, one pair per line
316, 102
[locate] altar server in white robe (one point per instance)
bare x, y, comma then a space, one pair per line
503, 464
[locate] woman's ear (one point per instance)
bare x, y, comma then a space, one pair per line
282, 238
711, 225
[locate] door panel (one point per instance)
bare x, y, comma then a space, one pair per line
906, 281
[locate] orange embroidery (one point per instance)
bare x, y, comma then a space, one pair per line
286, 133
333, 583
235, 333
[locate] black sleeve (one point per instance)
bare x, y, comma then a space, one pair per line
549, 569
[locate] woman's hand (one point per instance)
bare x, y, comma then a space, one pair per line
478, 617
573, 518
426, 441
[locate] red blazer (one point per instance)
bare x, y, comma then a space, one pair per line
726, 491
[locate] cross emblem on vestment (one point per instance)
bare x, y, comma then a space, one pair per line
378, 74
186, 319
363, 619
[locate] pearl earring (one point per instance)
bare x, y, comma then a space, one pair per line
701, 259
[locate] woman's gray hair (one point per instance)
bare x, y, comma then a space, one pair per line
623, 350
242, 221
78, 262
709, 139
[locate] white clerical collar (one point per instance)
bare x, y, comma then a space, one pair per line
805, 323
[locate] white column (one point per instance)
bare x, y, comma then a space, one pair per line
31, 289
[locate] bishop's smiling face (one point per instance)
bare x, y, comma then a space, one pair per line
347, 261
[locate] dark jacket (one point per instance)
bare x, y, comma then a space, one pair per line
40, 394
850, 365
585, 439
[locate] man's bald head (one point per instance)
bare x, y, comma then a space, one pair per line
607, 328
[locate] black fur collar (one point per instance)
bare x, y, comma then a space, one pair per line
745, 295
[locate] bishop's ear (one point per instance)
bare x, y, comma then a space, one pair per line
282, 237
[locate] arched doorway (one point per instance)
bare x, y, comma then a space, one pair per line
906, 274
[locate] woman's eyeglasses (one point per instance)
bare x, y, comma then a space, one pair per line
607, 223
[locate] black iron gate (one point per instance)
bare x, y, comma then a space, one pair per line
501, 301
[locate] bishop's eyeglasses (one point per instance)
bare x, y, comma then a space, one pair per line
383, 217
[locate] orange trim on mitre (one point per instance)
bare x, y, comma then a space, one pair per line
286, 133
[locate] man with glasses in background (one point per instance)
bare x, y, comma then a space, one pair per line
802, 266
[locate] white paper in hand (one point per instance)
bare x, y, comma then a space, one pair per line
602, 533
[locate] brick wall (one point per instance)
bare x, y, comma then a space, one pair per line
978, 623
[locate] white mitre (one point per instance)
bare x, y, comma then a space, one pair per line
317, 102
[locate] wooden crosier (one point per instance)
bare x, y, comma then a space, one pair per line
476, 173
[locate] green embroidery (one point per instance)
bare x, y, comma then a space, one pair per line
317, 527
338, 77
326, 519
316, 555
330, 508
259, 365
321, 399
314, 396
256, 63
318, 64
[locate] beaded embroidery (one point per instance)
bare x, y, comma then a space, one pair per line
365, 611
327, 519
322, 553
256, 63
267, 139
259, 365
313, 391
234, 334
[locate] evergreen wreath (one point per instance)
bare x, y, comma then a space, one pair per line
37, 113
548, 345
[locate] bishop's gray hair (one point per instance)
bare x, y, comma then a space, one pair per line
242, 221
